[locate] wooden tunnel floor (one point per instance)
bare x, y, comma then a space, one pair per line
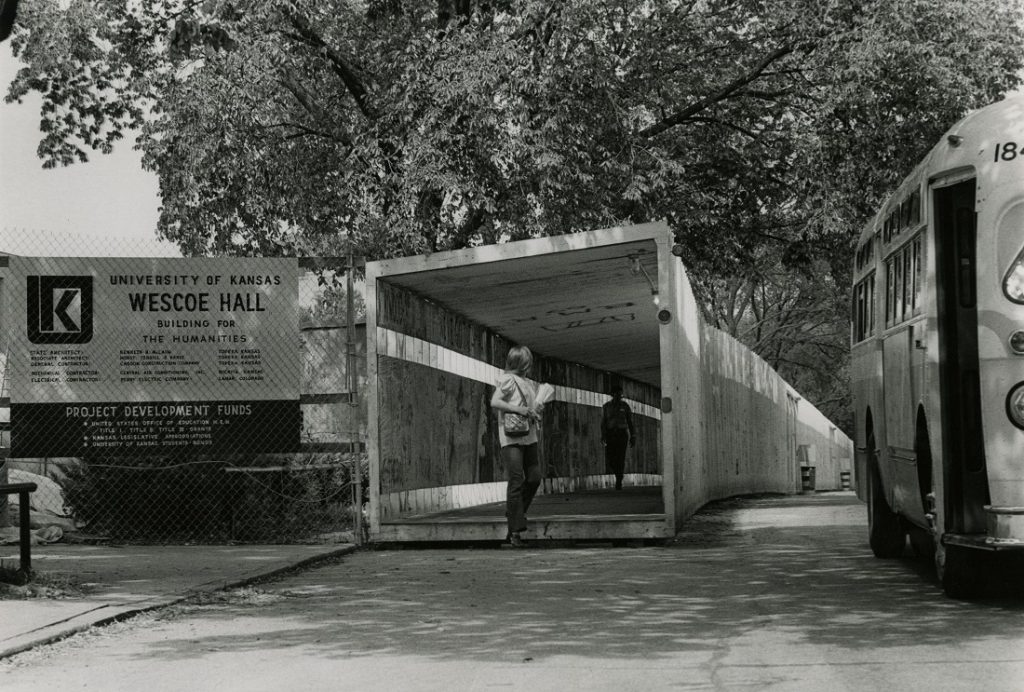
602, 503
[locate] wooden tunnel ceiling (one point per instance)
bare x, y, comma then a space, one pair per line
584, 306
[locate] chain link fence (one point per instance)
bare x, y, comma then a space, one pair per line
172, 400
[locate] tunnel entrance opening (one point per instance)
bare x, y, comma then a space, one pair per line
587, 306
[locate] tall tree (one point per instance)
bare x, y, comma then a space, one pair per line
429, 124
762, 131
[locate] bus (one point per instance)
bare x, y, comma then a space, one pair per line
937, 355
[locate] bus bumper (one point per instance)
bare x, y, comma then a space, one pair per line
1006, 525
1005, 531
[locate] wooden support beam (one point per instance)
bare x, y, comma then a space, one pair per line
333, 398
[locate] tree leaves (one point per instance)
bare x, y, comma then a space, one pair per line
187, 34
763, 132
463, 123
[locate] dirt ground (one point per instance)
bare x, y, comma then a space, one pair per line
774, 593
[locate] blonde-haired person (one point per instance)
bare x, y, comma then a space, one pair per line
515, 394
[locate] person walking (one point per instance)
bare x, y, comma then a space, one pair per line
616, 433
515, 400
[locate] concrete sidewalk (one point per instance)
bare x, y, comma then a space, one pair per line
111, 582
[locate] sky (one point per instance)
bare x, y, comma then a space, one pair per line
107, 207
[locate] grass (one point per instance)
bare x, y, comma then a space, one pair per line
14, 585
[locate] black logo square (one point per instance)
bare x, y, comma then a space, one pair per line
60, 309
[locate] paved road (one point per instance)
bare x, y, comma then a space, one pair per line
765, 594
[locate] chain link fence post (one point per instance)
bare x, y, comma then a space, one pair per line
353, 389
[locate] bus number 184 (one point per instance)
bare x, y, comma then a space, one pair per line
1007, 151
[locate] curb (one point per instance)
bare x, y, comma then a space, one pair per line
108, 614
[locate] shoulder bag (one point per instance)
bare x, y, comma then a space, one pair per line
515, 424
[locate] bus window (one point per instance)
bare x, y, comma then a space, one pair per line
890, 293
897, 308
858, 314
863, 327
907, 283
858, 327
918, 259
871, 304
864, 309
915, 208
855, 312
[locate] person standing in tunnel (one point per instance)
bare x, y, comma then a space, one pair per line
515, 400
616, 434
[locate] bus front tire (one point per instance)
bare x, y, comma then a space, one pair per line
885, 532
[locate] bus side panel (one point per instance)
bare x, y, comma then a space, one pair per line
899, 427
866, 380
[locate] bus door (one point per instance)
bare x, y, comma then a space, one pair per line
965, 483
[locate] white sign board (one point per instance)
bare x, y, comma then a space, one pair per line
144, 356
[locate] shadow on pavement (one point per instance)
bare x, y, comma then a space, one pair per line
800, 570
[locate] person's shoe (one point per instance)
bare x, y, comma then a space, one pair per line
517, 541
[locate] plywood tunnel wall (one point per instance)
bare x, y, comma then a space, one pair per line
822, 445
736, 426
760, 430
571, 433
748, 445
435, 377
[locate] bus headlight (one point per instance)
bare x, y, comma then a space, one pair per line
1017, 342
1013, 285
1015, 405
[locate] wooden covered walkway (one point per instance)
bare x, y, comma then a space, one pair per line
612, 307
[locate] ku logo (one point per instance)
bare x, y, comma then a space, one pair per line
60, 309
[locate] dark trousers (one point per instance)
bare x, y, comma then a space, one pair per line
523, 481
615, 443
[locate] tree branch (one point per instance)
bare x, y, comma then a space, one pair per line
474, 220
725, 92
302, 131
311, 106
342, 67
732, 126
